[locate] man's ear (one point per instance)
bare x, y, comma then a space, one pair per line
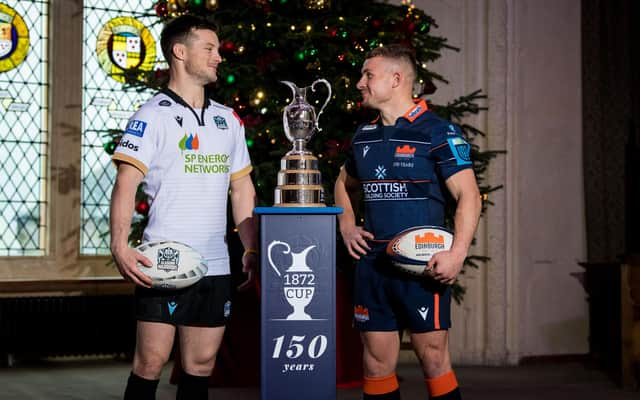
397, 78
179, 50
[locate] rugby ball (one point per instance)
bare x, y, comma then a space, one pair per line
175, 265
411, 249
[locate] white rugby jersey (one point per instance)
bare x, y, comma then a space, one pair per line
188, 157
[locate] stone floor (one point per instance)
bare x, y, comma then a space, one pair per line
104, 378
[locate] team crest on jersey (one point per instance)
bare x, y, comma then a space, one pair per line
220, 122
461, 150
361, 313
405, 152
190, 142
136, 127
380, 172
168, 259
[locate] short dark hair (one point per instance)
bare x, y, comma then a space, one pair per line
399, 52
178, 30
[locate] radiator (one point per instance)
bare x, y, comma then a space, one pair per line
66, 326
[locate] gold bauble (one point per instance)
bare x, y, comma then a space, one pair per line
183, 4
211, 5
173, 8
317, 5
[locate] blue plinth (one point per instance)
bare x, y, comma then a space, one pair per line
298, 343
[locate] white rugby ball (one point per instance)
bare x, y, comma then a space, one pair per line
175, 265
411, 249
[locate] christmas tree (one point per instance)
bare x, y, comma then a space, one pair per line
270, 41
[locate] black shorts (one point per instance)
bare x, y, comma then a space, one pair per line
206, 303
387, 299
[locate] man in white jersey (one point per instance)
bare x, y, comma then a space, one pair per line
188, 152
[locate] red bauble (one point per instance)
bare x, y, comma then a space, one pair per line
161, 9
228, 46
142, 207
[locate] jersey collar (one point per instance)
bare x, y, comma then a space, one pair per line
176, 97
417, 110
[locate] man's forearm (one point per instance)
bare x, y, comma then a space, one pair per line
122, 206
466, 221
243, 201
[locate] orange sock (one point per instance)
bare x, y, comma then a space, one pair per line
441, 385
380, 385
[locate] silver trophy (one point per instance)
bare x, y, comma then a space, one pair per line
299, 180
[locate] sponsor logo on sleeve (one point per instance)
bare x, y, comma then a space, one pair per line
126, 144
165, 103
136, 127
461, 150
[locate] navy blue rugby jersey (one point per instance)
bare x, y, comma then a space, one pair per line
402, 169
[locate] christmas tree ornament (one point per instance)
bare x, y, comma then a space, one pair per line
142, 207
161, 9
183, 4
110, 147
317, 5
173, 9
211, 5
228, 46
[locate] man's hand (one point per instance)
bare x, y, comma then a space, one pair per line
249, 267
127, 261
355, 238
445, 266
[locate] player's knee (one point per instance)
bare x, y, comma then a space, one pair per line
202, 365
434, 358
377, 365
148, 366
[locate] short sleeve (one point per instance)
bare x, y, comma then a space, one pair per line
139, 142
450, 150
240, 160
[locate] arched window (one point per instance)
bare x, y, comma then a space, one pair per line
24, 127
118, 35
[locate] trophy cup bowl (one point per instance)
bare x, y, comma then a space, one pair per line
299, 297
299, 180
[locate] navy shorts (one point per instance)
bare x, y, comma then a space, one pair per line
387, 299
207, 303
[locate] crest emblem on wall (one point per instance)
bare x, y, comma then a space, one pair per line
124, 43
14, 38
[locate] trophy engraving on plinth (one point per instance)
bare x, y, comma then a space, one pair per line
299, 179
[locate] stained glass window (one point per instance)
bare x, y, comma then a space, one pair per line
24, 131
118, 34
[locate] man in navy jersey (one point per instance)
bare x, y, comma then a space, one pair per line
400, 164
190, 154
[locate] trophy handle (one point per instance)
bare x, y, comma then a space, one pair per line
326, 101
275, 243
